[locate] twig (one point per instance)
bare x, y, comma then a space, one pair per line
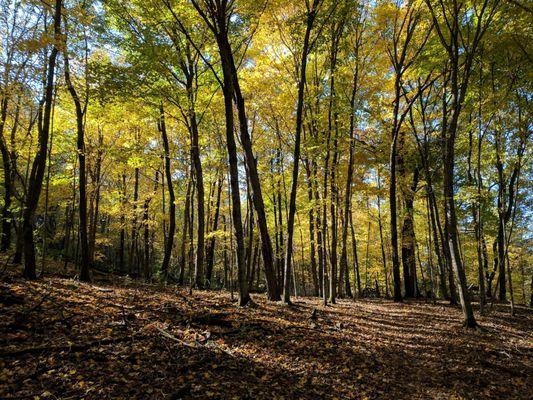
174, 338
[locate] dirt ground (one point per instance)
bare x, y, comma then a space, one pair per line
62, 339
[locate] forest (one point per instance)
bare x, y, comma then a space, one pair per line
266, 199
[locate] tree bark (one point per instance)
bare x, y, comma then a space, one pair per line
172, 198
6, 214
39, 163
84, 265
311, 14
211, 245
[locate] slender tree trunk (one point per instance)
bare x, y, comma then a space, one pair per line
312, 249
251, 163
228, 91
183, 251
393, 224
349, 175
97, 184
355, 259
146, 241
172, 199
82, 177
6, 213
451, 218
199, 273
383, 256
211, 245
133, 261
408, 237
311, 14
39, 162
121, 259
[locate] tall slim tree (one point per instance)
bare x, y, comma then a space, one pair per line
312, 10
161, 125
36, 176
451, 20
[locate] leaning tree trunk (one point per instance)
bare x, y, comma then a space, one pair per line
244, 295
217, 15
450, 215
172, 199
251, 164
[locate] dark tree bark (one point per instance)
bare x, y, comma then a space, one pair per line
312, 251
97, 177
189, 66
183, 250
39, 163
172, 198
146, 239
6, 214
121, 251
382, 242
408, 238
244, 296
84, 262
435, 227
355, 260
349, 174
211, 245
333, 125
311, 15
476, 215
133, 264
461, 52
217, 16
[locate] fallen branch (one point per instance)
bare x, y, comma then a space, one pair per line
174, 338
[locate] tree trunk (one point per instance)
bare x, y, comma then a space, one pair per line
97, 184
355, 259
121, 251
312, 251
244, 296
183, 250
6, 214
133, 264
451, 218
251, 163
39, 162
82, 177
296, 154
380, 225
172, 199
211, 244
408, 236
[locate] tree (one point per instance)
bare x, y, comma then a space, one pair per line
461, 49
35, 181
311, 16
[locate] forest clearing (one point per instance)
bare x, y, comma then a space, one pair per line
70, 340
266, 199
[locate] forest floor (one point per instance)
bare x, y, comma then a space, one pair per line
62, 339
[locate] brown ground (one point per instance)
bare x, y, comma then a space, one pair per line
61, 339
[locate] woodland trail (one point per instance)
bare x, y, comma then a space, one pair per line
62, 339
